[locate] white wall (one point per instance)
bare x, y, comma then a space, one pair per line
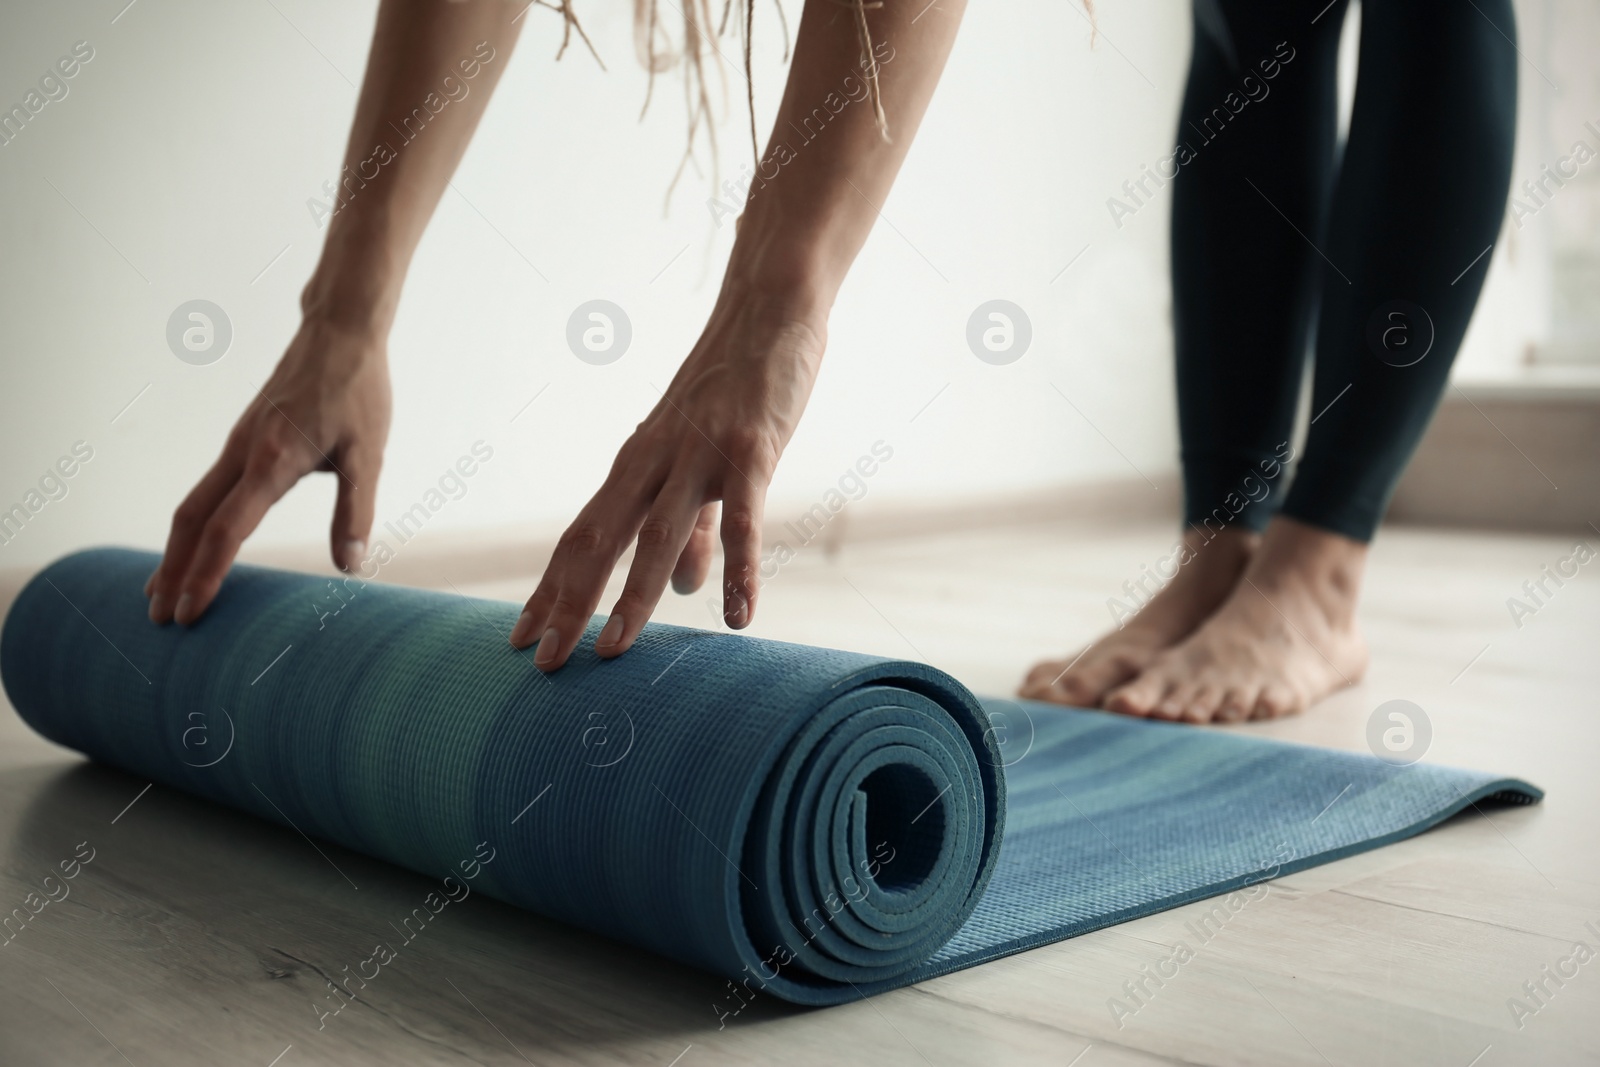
193, 139
189, 146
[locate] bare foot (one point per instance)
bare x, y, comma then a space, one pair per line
1283, 640
1207, 574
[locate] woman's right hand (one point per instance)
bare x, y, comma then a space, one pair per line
325, 408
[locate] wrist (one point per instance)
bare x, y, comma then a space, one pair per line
786, 271
357, 281
333, 353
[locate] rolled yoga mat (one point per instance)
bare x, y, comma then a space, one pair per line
819, 824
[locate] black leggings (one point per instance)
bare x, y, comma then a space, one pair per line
1386, 248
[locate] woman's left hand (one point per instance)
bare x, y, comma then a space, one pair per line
715, 435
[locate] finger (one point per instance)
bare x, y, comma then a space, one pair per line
575, 577
590, 555
570, 589
741, 551
357, 503
531, 624
695, 561
269, 475
670, 524
537, 609
188, 521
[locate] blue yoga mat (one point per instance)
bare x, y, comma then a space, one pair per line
819, 824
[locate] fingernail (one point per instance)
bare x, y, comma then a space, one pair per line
736, 611
545, 654
611, 633
524, 626
181, 612
158, 608
353, 551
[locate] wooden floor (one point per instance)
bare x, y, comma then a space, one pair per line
198, 936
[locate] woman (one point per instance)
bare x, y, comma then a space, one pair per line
1252, 624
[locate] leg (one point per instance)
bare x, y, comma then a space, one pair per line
1243, 279
1435, 111
1421, 196
1259, 102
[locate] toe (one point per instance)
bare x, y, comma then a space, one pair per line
1086, 684
1064, 693
1074, 685
1276, 700
1179, 693
1054, 680
1202, 706
1138, 697
1043, 683
1073, 692
1236, 704
1099, 678
1040, 674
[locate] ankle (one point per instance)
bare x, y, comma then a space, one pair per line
1218, 559
1231, 543
1303, 559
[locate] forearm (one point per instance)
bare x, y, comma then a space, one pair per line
828, 166
430, 73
